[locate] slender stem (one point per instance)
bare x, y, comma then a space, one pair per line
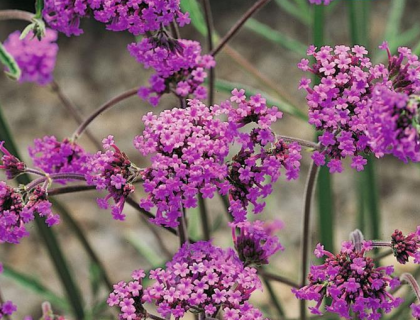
381, 244
301, 142
309, 192
74, 112
70, 189
234, 30
35, 171
275, 277
182, 229
407, 277
175, 30
210, 27
55, 176
204, 217
274, 298
103, 108
382, 255
153, 317
16, 15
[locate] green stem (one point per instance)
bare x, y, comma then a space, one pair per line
48, 235
274, 298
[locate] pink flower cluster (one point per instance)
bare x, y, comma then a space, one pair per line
405, 247
190, 147
363, 108
113, 171
11, 165
35, 58
178, 64
255, 243
53, 156
200, 278
17, 210
352, 282
136, 16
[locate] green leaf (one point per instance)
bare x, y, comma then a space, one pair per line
9, 62
300, 10
39, 5
47, 234
276, 37
227, 86
95, 278
144, 249
196, 15
34, 285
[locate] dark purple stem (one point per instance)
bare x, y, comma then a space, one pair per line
381, 244
234, 30
55, 176
102, 109
309, 192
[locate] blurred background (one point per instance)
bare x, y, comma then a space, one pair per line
96, 66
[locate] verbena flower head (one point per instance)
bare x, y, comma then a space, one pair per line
200, 278
352, 282
10, 164
395, 124
113, 171
324, 2
53, 156
338, 105
65, 15
7, 309
189, 147
415, 310
179, 68
405, 247
17, 210
254, 244
35, 58
258, 164
138, 16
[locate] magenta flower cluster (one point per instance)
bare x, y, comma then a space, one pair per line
53, 156
112, 171
363, 108
352, 282
178, 64
255, 244
405, 247
199, 278
7, 308
324, 2
136, 16
35, 58
12, 166
190, 147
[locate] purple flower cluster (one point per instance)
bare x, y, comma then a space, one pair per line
136, 16
15, 212
178, 64
405, 247
11, 165
324, 2
352, 282
254, 244
53, 156
113, 171
415, 310
35, 58
200, 278
261, 155
7, 309
189, 147
338, 105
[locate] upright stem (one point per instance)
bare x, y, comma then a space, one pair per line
204, 217
16, 15
309, 192
237, 26
74, 112
182, 229
103, 108
209, 25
